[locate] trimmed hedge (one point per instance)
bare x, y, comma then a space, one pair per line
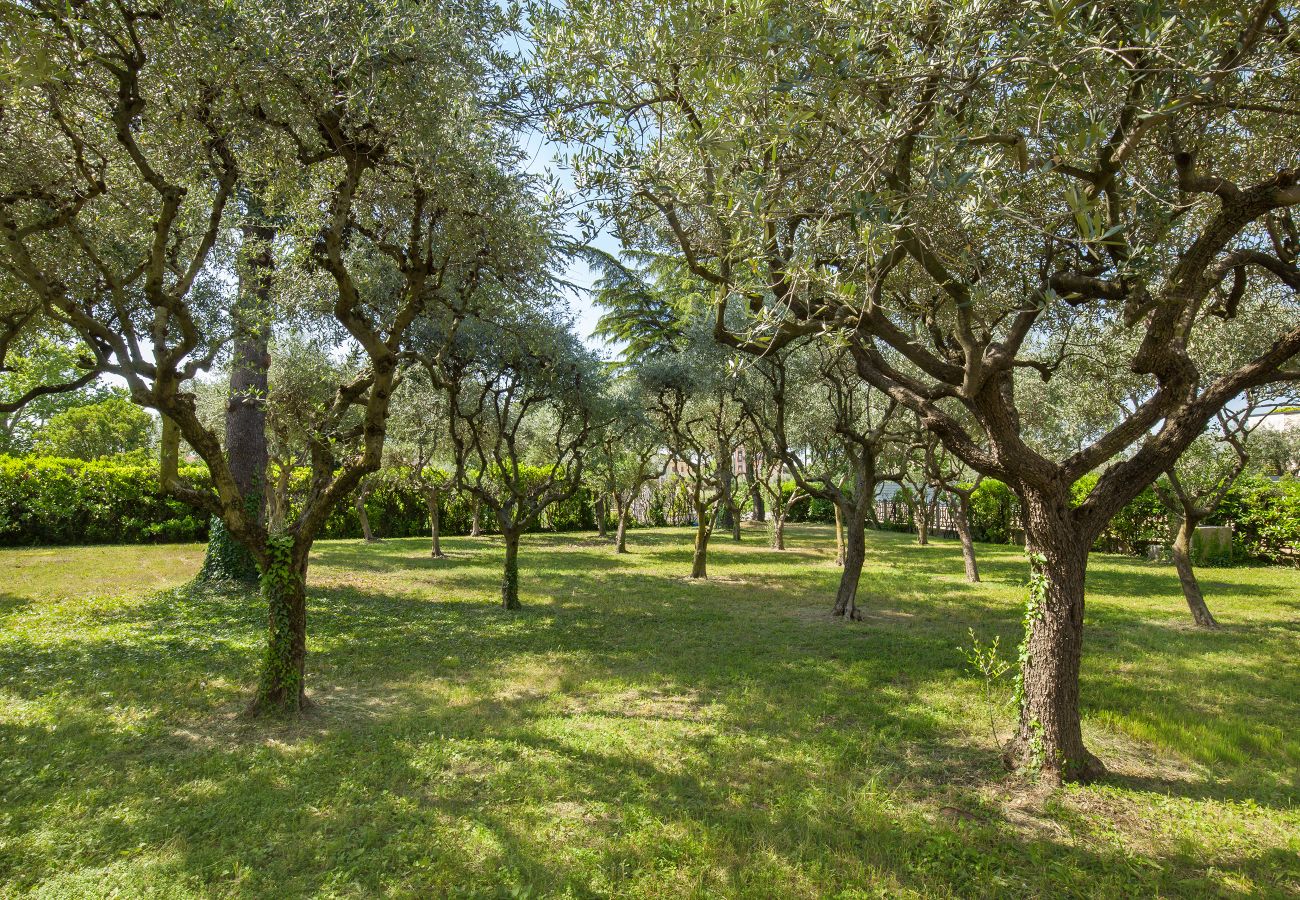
69, 501
47, 500
1265, 518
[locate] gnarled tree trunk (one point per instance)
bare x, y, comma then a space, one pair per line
961, 521
510, 577
1182, 553
435, 523
599, 509
778, 529
922, 512
281, 685
475, 521
620, 535
1049, 738
700, 558
360, 502
855, 553
839, 536
278, 510
755, 492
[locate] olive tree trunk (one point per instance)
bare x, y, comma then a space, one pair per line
922, 513
755, 492
855, 553
1182, 553
360, 501
1049, 738
435, 524
620, 534
475, 522
510, 577
281, 685
599, 509
839, 536
700, 558
961, 521
778, 529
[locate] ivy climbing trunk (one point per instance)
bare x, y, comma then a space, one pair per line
246, 449
435, 523
1049, 737
855, 553
510, 577
281, 687
1182, 553
961, 521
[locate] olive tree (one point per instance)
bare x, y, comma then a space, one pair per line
962, 192
837, 436
627, 453
519, 391
123, 149
419, 448
1194, 486
692, 399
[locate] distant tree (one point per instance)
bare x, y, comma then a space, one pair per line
1195, 485
693, 401
515, 391
108, 427
627, 453
419, 446
42, 374
838, 438
127, 139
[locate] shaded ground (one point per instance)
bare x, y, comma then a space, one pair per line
631, 732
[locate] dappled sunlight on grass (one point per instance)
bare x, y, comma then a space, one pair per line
632, 732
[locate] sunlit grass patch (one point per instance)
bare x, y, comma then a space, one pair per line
630, 732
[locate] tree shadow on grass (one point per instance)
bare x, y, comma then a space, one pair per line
12, 603
701, 740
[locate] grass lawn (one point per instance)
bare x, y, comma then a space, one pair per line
632, 733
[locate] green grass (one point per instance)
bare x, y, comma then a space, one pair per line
632, 733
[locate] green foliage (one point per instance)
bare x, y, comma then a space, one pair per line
109, 427
64, 501
1265, 516
280, 584
986, 661
995, 518
227, 559
46, 500
39, 360
1139, 523
994, 513
807, 509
